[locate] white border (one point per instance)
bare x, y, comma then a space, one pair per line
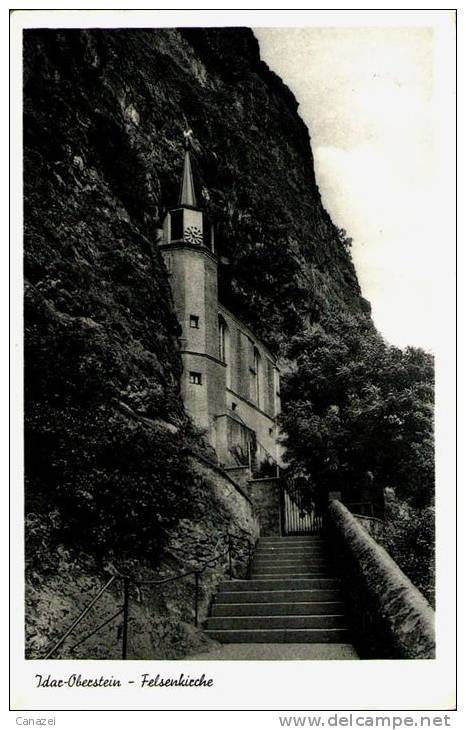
280, 686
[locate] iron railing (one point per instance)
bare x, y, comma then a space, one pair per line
263, 464
366, 509
127, 581
245, 450
300, 514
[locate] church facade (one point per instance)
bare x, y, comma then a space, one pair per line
230, 382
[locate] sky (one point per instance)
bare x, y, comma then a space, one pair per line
366, 96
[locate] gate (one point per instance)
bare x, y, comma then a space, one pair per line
299, 515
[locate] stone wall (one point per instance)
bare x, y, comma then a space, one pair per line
390, 618
54, 602
241, 475
161, 616
265, 494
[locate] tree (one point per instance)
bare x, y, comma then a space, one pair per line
354, 406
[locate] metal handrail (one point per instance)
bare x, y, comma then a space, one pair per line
80, 617
100, 626
373, 507
171, 578
128, 580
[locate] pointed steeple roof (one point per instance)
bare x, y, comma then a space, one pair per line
187, 193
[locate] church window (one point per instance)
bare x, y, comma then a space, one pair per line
224, 347
194, 321
221, 335
257, 378
195, 378
253, 384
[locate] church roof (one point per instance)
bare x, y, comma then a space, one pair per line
187, 192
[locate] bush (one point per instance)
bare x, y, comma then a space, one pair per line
358, 418
409, 537
117, 484
359, 412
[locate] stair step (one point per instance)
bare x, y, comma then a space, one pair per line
315, 621
278, 583
292, 570
306, 540
292, 551
280, 556
259, 575
292, 596
319, 553
291, 564
297, 608
282, 636
309, 545
278, 596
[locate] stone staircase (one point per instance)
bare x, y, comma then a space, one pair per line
291, 597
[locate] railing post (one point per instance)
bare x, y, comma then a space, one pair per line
230, 569
196, 598
248, 574
124, 641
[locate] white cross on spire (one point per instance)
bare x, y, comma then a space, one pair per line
187, 193
188, 133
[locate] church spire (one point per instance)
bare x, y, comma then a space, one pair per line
187, 193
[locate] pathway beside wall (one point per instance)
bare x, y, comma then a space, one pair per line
274, 652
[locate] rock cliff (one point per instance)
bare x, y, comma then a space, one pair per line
104, 113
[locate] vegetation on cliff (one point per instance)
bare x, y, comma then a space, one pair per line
106, 433
358, 418
104, 112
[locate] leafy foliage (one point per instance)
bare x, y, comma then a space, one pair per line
359, 412
104, 113
118, 485
409, 537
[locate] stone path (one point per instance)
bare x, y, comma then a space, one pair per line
274, 652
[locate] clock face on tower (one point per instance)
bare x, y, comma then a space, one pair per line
193, 235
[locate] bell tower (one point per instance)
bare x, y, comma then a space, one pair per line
188, 250
186, 222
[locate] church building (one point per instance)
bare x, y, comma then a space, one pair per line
230, 381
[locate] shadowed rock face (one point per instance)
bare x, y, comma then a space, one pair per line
104, 113
104, 116
161, 616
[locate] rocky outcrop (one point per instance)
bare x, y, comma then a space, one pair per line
161, 616
400, 623
104, 113
107, 466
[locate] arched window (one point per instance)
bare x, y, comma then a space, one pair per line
258, 380
224, 347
